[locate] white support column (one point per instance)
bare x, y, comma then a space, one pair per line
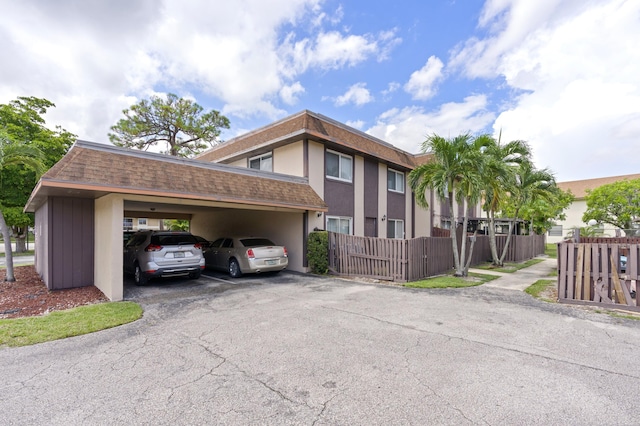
108, 252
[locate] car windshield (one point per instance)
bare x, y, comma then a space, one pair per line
256, 242
172, 239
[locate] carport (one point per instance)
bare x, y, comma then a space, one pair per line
80, 204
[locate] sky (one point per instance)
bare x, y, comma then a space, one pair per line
563, 75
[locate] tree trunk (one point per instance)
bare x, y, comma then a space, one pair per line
492, 239
463, 243
8, 256
454, 238
506, 243
21, 237
473, 243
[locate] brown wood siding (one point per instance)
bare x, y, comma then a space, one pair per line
339, 197
71, 234
396, 206
370, 188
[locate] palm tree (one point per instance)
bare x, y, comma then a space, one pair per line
500, 162
529, 184
15, 154
452, 172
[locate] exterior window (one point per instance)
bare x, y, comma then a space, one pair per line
555, 231
339, 166
262, 162
127, 223
395, 181
142, 222
341, 225
395, 228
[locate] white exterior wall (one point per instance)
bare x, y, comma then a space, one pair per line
358, 193
316, 180
243, 162
289, 159
108, 275
408, 208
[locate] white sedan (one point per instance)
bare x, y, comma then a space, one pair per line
242, 255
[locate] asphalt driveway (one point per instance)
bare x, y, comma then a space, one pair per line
295, 349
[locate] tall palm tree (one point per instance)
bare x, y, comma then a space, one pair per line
529, 184
500, 163
452, 172
12, 153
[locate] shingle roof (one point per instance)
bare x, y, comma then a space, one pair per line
307, 124
579, 187
104, 168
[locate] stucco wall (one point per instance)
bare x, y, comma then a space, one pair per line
109, 213
289, 159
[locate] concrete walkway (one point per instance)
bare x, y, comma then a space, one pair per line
522, 278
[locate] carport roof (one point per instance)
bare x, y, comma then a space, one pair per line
94, 170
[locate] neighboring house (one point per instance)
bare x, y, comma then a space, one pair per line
362, 179
140, 223
574, 213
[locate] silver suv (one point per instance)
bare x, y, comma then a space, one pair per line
150, 254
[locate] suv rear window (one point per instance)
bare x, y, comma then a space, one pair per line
173, 240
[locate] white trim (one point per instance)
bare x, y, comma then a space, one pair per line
261, 157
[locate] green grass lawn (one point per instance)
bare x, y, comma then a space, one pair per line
551, 250
449, 281
68, 323
541, 287
509, 267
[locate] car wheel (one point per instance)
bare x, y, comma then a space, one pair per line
195, 275
234, 269
139, 276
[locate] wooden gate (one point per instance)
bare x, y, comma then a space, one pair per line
598, 273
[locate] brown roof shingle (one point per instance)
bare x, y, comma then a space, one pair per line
579, 187
104, 168
307, 124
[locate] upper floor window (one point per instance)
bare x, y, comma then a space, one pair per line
339, 166
262, 162
395, 181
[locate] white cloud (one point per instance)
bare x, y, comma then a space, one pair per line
358, 94
408, 127
92, 58
289, 94
574, 68
421, 83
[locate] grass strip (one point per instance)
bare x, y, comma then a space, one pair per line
539, 287
449, 281
71, 322
509, 267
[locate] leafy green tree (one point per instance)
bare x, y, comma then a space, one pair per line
616, 204
176, 224
455, 171
529, 186
543, 212
180, 123
21, 123
15, 154
500, 163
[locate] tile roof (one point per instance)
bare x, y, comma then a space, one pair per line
579, 187
106, 169
307, 124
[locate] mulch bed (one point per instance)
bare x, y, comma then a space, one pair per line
29, 296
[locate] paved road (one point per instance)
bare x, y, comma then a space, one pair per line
292, 349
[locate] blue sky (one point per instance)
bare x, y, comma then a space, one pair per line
563, 75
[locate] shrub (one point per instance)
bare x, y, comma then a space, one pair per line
318, 252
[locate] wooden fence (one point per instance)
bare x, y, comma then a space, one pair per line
596, 273
418, 258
